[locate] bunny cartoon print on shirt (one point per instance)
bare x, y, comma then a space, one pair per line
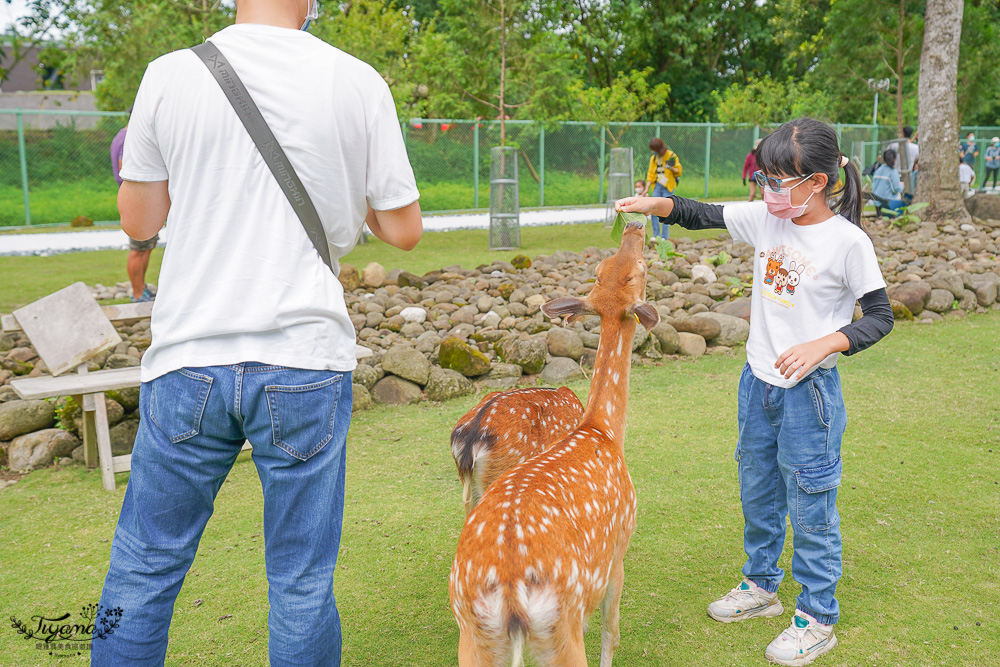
794, 276
785, 281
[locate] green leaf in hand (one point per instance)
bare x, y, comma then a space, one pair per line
623, 219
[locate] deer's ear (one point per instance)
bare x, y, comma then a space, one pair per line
646, 314
567, 306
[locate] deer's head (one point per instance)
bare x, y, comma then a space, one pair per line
620, 289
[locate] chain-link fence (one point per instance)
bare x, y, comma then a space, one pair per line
55, 165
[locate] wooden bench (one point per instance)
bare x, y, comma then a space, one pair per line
67, 329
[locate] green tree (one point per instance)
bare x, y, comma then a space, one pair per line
978, 75
497, 58
118, 38
629, 98
765, 101
383, 36
698, 47
852, 43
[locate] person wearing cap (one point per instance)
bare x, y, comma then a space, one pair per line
992, 157
749, 167
251, 336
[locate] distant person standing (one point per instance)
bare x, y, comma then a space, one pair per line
664, 171
908, 160
912, 149
749, 167
966, 178
992, 156
968, 152
138, 251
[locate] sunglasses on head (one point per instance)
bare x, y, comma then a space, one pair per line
775, 183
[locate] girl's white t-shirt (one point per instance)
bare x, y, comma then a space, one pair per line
240, 280
806, 279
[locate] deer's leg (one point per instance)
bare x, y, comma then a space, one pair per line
564, 647
610, 636
475, 651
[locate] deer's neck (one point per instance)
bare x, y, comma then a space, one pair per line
608, 400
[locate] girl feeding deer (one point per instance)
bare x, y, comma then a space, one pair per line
810, 265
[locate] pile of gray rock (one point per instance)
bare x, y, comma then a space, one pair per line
447, 332
936, 271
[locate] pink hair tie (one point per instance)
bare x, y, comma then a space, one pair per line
843, 161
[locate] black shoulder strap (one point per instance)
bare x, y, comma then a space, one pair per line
270, 149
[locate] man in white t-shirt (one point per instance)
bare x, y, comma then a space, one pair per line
966, 178
251, 340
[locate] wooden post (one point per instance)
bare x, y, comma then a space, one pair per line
103, 440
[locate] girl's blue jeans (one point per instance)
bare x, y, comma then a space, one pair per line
193, 423
660, 229
788, 455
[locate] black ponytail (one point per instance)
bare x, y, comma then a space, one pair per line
807, 146
850, 203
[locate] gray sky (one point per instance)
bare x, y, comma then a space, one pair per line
10, 13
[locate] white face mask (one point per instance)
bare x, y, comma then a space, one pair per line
311, 14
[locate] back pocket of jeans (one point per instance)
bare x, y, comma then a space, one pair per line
177, 403
816, 495
302, 416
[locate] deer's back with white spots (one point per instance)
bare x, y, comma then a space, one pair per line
507, 428
547, 542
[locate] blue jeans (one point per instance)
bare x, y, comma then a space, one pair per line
193, 423
788, 455
660, 191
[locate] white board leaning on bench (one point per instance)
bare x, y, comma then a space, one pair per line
68, 328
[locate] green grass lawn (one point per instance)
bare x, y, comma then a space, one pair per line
60, 202
25, 279
920, 507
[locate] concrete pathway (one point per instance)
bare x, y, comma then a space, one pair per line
115, 239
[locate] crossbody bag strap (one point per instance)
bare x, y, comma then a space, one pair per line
270, 149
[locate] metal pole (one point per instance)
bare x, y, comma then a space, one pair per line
708, 153
875, 110
541, 166
756, 133
24, 166
475, 165
600, 169
657, 129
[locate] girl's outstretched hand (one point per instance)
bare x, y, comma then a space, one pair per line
659, 206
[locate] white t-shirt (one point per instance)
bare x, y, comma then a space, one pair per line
806, 279
240, 279
965, 174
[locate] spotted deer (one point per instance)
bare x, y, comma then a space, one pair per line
546, 544
505, 429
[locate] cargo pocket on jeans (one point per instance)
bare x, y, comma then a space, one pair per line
302, 416
177, 403
816, 495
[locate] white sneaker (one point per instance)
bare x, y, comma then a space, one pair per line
745, 601
803, 641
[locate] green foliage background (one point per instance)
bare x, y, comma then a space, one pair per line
442, 57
